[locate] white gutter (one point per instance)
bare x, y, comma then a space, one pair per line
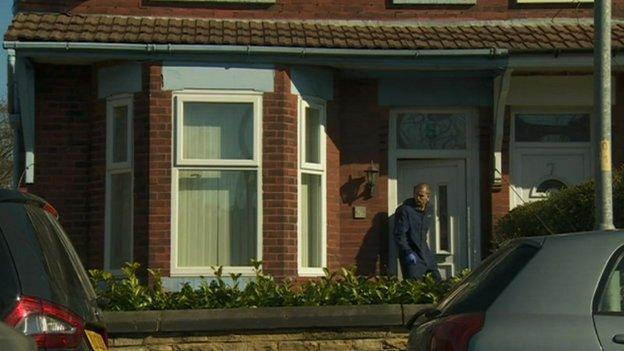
248, 49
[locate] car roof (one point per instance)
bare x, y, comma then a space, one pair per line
563, 277
8, 195
611, 238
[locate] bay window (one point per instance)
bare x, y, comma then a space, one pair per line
216, 190
312, 236
118, 225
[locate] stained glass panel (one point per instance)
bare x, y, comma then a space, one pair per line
431, 131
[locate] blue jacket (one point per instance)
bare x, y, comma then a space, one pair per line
410, 234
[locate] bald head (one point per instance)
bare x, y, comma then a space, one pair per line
422, 186
422, 194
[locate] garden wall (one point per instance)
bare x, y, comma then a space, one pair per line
367, 328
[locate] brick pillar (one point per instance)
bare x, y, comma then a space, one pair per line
333, 184
158, 176
363, 138
501, 197
63, 117
486, 176
279, 177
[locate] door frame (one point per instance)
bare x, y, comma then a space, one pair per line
471, 157
515, 158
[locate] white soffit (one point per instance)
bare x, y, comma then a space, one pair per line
577, 90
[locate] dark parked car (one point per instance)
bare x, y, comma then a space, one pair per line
44, 291
560, 292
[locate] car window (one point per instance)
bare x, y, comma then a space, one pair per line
9, 287
67, 287
73, 256
481, 288
611, 297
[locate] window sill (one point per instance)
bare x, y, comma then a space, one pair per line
209, 271
311, 272
434, 2
561, 2
251, 2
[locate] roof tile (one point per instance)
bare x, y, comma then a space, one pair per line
133, 29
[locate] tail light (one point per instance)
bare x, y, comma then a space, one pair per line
50, 325
453, 333
51, 210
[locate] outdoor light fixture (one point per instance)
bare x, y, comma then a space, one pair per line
371, 174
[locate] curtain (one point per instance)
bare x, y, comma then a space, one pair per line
312, 137
120, 219
311, 221
217, 218
120, 134
218, 131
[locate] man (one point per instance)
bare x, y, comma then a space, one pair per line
410, 234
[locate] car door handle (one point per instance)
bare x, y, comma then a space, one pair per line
618, 339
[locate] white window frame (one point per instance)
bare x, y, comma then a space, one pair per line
514, 166
314, 169
113, 168
181, 164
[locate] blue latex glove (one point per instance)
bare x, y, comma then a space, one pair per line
412, 258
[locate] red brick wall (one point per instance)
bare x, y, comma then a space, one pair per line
486, 174
363, 137
279, 177
141, 169
319, 9
97, 184
62, 146
500, 197
159, 153
333, 184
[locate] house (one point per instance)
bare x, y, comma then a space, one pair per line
189, 134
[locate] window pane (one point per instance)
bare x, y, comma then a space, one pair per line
431, 131
559, 128
443, 216
312, 137
120, 134
222, 131
120, 219
217, 218
611, 300
311, 221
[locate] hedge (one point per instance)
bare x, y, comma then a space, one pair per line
566, 211
128, 293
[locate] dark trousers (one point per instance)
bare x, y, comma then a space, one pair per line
413, 271
417, 270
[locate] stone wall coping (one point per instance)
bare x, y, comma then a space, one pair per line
138, 322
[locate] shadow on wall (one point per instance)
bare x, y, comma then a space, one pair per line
350, 191
372, 257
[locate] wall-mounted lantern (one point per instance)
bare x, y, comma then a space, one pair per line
371, 175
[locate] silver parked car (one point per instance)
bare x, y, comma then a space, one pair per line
561, 292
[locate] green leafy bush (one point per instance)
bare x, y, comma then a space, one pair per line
569, 210
126, 293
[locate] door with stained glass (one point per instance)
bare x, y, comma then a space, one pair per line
447, 235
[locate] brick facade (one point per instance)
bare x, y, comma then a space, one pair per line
279, 178
322, 9
363, 138
63, 146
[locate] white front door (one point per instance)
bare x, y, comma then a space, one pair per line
447, 237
